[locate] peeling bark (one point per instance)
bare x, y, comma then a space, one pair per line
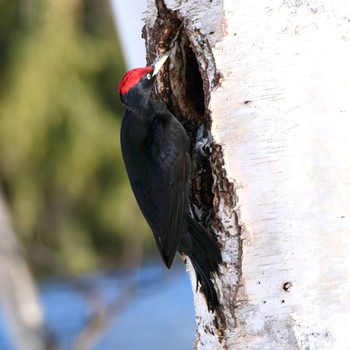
271, 81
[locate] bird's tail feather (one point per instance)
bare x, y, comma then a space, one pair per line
205, 257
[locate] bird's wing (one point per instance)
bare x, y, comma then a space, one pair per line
159, 177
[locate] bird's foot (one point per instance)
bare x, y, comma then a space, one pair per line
202, 147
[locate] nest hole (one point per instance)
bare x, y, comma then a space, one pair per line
183, 91
187, 102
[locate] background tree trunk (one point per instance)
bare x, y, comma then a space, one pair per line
18, 294
276, 82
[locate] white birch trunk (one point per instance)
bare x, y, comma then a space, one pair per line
281, 113
19, 300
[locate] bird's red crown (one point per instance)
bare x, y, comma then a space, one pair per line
132, 77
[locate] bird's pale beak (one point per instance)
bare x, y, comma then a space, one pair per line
158, 64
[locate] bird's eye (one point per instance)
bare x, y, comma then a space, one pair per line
148, 76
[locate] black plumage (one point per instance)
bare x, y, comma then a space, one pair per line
156, 153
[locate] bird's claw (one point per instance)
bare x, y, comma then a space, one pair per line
203, 143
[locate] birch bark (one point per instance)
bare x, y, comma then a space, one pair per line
19, 299
276, 82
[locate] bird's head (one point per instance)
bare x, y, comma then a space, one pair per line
136, 85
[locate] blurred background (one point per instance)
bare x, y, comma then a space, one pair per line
78, 266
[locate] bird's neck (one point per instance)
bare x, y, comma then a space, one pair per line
147, 111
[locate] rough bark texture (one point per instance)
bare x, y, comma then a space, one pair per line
271, 80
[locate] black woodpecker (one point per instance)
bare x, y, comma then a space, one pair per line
156, 152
